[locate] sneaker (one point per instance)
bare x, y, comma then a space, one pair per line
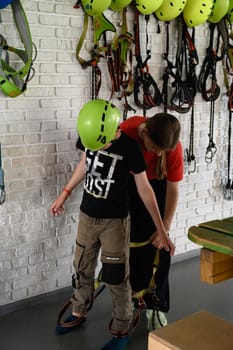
116, 343
155, 319
74, 321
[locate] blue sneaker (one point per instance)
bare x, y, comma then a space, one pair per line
72, 322
116, 343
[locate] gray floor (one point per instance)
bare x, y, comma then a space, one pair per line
29, 325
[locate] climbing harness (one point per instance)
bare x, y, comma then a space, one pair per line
207, 76
179, 79
100, 25
144, 84
119, 58
13, 82
97, 290
2, 185
147, 298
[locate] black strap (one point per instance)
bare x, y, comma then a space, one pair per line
179, 79
2, 185
190, 156
207, 81
211, 148
146, 91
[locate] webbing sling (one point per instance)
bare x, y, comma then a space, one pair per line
14, 82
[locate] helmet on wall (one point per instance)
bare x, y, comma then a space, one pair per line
197, 12
95, 7
219, 10
4, 3
118, 5
170, 9
230, 11
97, 123
147, 7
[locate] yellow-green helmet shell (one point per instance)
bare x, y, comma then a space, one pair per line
147, 7
118, 5
219, 10
197, 12
95, 7
170, 9
230, 11
97, 123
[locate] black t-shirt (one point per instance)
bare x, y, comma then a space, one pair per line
106, 182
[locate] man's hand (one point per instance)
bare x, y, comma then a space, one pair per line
162, 241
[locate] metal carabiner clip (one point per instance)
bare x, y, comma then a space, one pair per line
210, 153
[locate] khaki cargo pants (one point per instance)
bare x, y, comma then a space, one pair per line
112, 236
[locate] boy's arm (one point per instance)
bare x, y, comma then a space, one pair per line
78, 175
147, 195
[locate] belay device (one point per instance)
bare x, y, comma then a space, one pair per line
13, 82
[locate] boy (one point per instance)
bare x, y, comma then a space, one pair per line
109, 157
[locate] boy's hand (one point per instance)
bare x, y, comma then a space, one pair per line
57, 207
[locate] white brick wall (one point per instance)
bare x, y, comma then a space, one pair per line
38, 134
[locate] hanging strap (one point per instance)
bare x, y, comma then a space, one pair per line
100, 26
2, 185
119, 61
179, 79
207, 81
211, 148
228, 186
190, 156
14, 82
144, 83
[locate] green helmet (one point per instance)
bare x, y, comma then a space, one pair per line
97, 123
219, 10
147, 7
230, 11
118, 5
95, 7
197, 12
170, 9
